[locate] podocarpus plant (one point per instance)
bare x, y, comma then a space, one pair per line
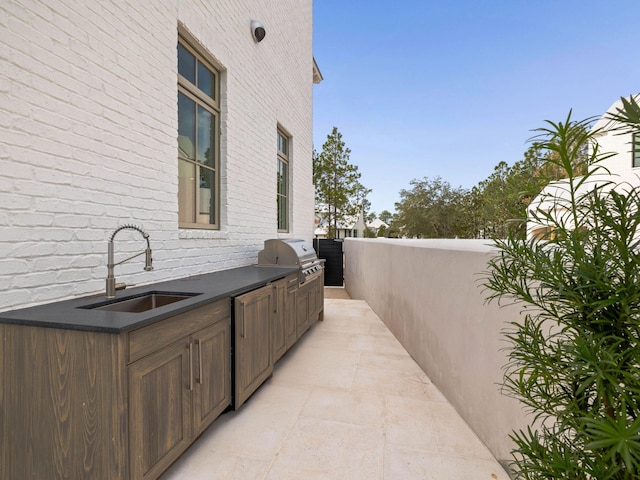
574, 353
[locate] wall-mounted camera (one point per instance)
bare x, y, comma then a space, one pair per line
258, 31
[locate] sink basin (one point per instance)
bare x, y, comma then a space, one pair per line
140, 303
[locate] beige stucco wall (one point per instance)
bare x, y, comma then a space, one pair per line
429, 294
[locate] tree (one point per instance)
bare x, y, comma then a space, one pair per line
501, 200
503, 197
337, 182
386, 216
574, 357
430, 209
369, 233
365, 205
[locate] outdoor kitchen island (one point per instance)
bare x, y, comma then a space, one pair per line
95, 388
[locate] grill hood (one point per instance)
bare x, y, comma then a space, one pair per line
287, 253
292, 253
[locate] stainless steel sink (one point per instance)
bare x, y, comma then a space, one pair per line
140, 303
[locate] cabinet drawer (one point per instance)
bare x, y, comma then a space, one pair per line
148, 339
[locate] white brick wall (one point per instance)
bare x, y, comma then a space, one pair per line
89, 121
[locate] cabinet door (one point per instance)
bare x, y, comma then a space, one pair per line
253, 342
290, 311
313, 302
159, 409
212, 371
321, 295
290, 316
302, 310
279, 338
316, 299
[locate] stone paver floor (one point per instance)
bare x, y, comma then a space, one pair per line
347, 403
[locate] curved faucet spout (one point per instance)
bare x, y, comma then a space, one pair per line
111, 281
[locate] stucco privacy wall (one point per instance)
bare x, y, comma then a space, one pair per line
89, 121
428, 293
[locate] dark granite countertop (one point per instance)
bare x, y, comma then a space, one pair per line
70, 314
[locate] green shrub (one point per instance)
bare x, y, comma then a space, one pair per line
574, 354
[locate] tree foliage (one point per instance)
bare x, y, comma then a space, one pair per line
386, 216
337, 182
491, 209
429, 209
574, 358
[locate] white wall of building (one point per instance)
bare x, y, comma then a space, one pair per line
429, 294
620, 165
89, 121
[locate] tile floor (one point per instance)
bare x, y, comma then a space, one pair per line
346, 403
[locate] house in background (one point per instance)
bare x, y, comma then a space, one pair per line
347, 227
622, 170
350, 226
378, 227
178, 117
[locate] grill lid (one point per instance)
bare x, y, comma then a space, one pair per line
290, 252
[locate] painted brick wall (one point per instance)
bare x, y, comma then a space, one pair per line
89, 122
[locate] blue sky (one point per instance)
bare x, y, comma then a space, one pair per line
450, 88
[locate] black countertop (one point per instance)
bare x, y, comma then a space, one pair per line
73, 314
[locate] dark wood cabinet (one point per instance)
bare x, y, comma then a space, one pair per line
309, 304
284, 320
212, 387
160, 423
318, 313
180, 389
63, 404
302, 309
253, 353
290, 311
279, 308
78, 404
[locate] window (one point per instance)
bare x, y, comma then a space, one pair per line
198, 134
283, 182
635, 149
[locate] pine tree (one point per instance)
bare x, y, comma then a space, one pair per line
337, 182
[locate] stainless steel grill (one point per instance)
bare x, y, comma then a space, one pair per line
290, 253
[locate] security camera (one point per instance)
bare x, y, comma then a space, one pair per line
258, 31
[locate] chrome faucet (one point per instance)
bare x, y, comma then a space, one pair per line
111, 280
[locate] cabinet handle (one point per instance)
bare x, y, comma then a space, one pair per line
199, 344
190, 365
274, 299
242, 313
